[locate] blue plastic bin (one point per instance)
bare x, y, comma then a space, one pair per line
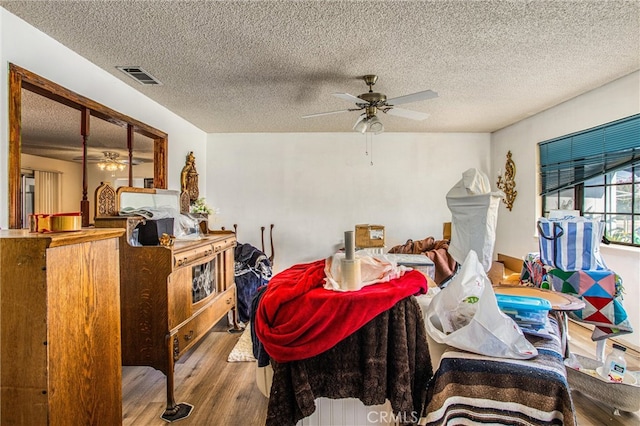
524, 309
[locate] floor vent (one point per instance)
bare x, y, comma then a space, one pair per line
140, 75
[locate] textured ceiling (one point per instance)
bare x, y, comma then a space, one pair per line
259, 66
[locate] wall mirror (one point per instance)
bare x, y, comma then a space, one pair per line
62, 139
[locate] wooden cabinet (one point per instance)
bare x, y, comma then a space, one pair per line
171, 297
60, 338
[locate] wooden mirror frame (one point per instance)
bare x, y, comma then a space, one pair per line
20, 78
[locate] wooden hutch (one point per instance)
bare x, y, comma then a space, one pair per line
171, 295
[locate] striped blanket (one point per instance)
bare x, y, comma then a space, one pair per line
475, 389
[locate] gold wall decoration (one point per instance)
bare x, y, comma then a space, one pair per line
508, 183
189, 178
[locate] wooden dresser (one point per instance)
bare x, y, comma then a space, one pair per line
171, 297
60, 316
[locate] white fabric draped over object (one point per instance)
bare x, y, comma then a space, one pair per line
474, 210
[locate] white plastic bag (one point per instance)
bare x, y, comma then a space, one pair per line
465, 315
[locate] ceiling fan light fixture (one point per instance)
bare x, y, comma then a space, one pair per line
110, 162
361, 124
375, 125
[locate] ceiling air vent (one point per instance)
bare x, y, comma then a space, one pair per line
140, 75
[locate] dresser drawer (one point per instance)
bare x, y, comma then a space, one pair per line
187, 257
188, 333
224, 244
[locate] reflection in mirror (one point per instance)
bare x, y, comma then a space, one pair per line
50, 141
52, 157
46, 127
108, 158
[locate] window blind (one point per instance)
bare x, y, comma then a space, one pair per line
572, 159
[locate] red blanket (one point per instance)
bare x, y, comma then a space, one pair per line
297, 318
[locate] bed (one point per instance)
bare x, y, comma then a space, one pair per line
469, 388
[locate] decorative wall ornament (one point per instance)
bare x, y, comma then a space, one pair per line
508, 184
189, 178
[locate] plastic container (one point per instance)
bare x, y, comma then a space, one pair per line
615, 365
524, 309
623, 396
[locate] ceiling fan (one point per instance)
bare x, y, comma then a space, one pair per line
372, 102
110, 157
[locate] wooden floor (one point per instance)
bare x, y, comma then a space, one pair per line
225, 393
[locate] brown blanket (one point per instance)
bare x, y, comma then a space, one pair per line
437, 251
387, 358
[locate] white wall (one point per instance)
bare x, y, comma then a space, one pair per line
71, 174
315, 186
516, 234
35, 51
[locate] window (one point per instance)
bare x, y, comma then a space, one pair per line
597, 172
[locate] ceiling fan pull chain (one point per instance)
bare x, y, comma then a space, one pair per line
371, 157
366, 144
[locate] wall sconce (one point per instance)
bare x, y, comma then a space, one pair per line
508, 184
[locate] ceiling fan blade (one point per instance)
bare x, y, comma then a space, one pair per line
350, 98
414, 97
406, 113
326, 113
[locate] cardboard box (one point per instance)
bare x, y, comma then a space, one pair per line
446, 231
506, 270
369, 236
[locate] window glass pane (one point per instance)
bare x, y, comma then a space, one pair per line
593, 199
598, 180
620, 196
636, 198
620, 176
598, 217
636, 231
619, 228
551, 202
566, 201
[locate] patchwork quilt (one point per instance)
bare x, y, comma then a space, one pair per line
601, 290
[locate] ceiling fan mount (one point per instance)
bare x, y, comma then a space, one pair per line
373, 98
370, 80
372, 102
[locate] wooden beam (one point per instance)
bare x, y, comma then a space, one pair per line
15, 148
160, 162
130, 150
85, 131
